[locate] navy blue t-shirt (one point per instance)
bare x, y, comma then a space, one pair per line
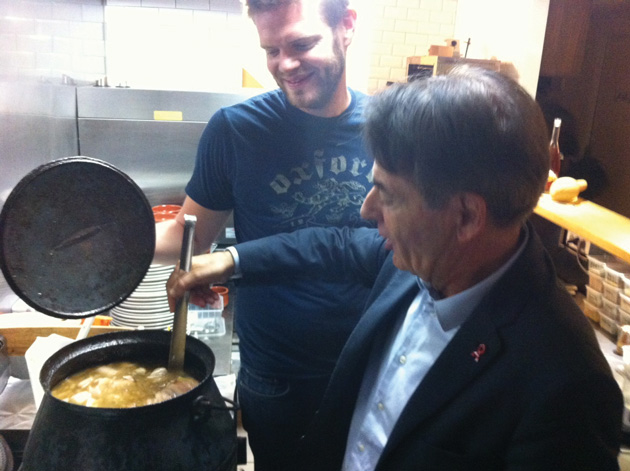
280, 169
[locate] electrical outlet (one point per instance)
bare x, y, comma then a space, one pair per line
576, 243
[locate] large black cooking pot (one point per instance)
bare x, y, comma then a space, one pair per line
194, 431
76, 238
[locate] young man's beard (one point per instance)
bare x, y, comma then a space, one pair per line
320, 93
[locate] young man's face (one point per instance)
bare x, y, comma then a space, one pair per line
307, 57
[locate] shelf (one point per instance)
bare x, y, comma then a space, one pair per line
606, 229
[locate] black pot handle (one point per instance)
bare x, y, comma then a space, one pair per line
203, 406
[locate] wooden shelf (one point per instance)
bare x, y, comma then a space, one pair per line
606, 229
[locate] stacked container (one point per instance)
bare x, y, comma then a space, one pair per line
608, 292
595, 288
624, 300
623, 290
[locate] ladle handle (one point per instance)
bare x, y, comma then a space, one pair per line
178, 337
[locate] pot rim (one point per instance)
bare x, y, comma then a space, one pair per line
126, 346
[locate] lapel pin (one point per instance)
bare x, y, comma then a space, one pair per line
481, 349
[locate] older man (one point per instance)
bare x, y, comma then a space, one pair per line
469, 355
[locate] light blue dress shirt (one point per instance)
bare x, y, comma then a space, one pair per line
392, 377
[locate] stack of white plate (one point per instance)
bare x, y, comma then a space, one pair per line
147, 306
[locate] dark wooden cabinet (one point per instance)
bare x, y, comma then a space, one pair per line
592, 87
565, 37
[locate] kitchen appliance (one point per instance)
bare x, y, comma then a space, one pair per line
76, 237
426, 66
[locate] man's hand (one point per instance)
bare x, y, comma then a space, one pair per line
205, 269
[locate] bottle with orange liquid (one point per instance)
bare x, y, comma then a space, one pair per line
555, 156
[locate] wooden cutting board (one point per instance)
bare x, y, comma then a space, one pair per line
19, 339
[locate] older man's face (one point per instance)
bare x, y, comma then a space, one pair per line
419, 236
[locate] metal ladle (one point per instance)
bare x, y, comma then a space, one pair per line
178, 337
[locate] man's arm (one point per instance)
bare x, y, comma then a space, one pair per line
205, 269
169, 234
330, 253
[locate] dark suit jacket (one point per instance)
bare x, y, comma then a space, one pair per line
540, 397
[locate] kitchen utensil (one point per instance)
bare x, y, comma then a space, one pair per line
178, 338
193, 431
85, 327
76, 237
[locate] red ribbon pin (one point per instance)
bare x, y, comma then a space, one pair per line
481, 349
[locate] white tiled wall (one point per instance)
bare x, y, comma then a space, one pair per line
44, 38
177, 49
232, 6
403, 28
48, 38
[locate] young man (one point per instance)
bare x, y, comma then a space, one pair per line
280, 161
469, 355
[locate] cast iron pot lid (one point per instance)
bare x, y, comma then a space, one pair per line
76, 237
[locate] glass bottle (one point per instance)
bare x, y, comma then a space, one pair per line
555, 156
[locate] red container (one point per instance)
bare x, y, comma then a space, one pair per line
165, 212
222, 291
